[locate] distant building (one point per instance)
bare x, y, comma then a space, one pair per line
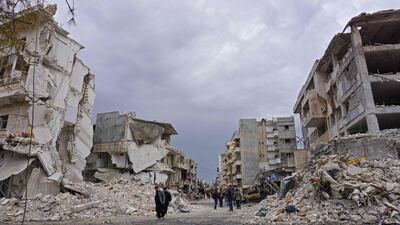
258, 147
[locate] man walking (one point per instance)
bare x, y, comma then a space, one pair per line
215, 196
168, 198
230, 196
221, 198
159, 199
238, 198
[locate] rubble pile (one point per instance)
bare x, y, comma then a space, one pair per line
90, 200
336, 188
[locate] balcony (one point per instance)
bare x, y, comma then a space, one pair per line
238, 176
274, 161
272, 148
13, 75
237, 162
317, 138
314, 110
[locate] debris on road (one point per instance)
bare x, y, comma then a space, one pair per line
120, 197
337, 188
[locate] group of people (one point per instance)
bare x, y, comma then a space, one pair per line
230, 195
162, 199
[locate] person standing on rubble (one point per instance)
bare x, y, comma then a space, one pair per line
215, 196
168, 199
159, 199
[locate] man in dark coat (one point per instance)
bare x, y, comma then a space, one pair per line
221, 198
159, 199
168, 199
230, 196
215, 196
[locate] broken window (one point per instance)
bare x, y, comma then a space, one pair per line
349, 77
237, 143
332, 120
283, 158
381, 33
386, 93
238, 169
5, 67
3, 122
360, 127
383, 62
306, 110
389, 121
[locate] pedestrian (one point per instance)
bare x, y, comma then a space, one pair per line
230, 196
215, 196
159, 199
238, 198
168, 199
221, 198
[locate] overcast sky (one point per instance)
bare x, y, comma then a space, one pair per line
203, 65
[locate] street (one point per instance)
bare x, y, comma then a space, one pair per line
202, 214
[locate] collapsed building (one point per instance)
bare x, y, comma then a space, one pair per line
258, 150
126, 144
46, 100
355, 86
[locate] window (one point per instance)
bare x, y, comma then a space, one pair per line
286, 127
3, 122
287, 140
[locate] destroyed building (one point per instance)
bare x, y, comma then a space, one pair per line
124, 143
44, 77
355, 86
258, 148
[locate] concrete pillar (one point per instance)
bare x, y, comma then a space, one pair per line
367, 98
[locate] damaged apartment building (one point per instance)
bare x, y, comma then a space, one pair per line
258, 149
124, 144
45, 68
355, 87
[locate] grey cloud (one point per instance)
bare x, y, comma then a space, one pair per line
203, 64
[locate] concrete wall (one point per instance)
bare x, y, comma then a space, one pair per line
110, 121
249, 150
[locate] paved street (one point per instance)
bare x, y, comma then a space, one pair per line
203, 214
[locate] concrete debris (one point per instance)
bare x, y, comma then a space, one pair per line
338, 188
118, 197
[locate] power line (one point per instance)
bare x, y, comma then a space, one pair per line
32, 119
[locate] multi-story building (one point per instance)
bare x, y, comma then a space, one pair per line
44, 68
185, 171
354, 87
219, 178
277, 142
126, 143
258, 147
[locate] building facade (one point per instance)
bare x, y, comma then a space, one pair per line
256, 148
354, 87
54, 130
124, 143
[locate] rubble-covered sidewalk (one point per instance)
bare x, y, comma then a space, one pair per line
337, 188
120, 197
